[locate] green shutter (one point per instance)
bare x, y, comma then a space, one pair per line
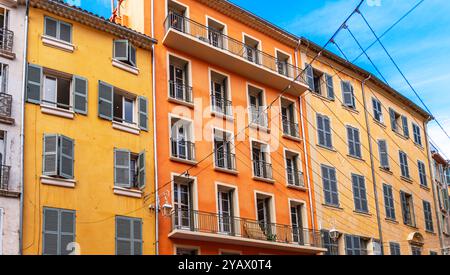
141, 168
105, 100
122, 168
50, 155
34, 81
66, 157
143, 113
80, 95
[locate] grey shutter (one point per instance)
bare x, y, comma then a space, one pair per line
141, 172
80, 95
121, 50
50, 155
347, 94
50, 231
132, 55
384, 156
310, 77
327, 127
105, 100
123, 236
137, 236
405, 126
66, 157
351, 141
393, 120
143, 113
320, 130
330, 87
404, 207
122, 168
34, 80
67, 230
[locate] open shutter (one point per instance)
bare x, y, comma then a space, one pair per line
66, 157
80, 94
34, 80
310, 77
330, 87
382, 148
143, 113
141, 168
137, 236
67, 231
121, 50
405, 126
105, 101
132, 53
122, 168
351, 141
50, 232
50, 155
347, 93
393, 120
404, 207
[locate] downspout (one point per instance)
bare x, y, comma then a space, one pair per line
155, 148
372, 164
433, 186
22, 121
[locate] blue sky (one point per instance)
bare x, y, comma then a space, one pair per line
420, 44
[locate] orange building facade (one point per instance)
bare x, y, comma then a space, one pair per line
231, 170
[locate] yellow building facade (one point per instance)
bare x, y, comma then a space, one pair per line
89, 173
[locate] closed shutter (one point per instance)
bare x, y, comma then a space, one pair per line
143, 113
384, 156
50, 155
405, 210
333, 185
137, 237
105, 101
123, 236
394, 126
327, 129
310, 77
351, 142
66, 157
141, 168
50, 238
122, 168
321, 130
80, 95
330, 87
67, 231
34, 80
121, 50
405, 126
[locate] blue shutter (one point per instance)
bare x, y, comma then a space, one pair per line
310, 77
105, 100
405, 126
34, 84
141, 170
330, 87
50, 155
80, 95
143, 113
66, 157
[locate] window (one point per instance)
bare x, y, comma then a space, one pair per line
395, 248
57, 89
220, 95
3, 78
263, 206
179, 86
298, 235
293, 169
177, 14
251, 49
331, 246
125, 52
58, 30
258, 112
223, 150
225, 205
182, 145
348, 94
359, 193
262, 168
416, 250
283, 65
58, 231
128, 236
428, 216
417, 134
354, 142
396, 121
407, 209
186, 251
289, 118
324, 131
216, 33
355, 245
422, 173
384, 154
122, 107
404, 164
129, 169
183, 204
389, 201
58, 156
330, 185
319, 82
377, 111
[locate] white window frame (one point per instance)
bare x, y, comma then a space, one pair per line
299, 165
227, 92
259, 48
188, 81
190, 134
54, 105
304, 215
225, 29
273, 217
263, 106
232, 146
219, 187
266, 151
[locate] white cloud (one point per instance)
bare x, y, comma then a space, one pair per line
74, 2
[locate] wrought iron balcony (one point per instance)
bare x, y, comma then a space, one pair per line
225, 160
262, 169
6, 43
295, 178
258, 116
183, 149
243, 231
180, 91
290, 128
217, 48
5, 108
4, 178
221, 105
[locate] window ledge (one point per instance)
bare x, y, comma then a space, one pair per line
123, 66
127, 192
400, 135
419, 146
331, 149
350, 109
430, 232
355, 157
406, 179
50, 110
320, 96
186, 161
294, 138
222, 115
259, 127
7, 120
53, 42
362, 213
333, 207
225, 170
424, 187
58, 182
379, 123
386, 170
7, 54
389, 220
300, 188
272, 181
181, 102
126, 127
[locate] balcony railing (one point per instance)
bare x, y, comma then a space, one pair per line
235, 47
221, 105
6, 40
290, 128
4, 177
225, 160
258, 116
5, 105
295, 178
204, 222
180, 91
183, 149
262, 169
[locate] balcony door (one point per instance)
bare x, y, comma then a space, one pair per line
177, 14
287, 113
292, 170
263, 209
182, 205
297, 224
4, 18
225, 207
222, 148
178, 80
256, 106
259, 162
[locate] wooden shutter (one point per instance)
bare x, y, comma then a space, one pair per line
121, 50
50, 232
330, 87
132, 53
384, 157
405, 126
143, 113
137, 236
66, 231
351, 141
310, 77
347, 94
405, 211
122, 168
327, 129
141, 170
80, 95
34, 81
393, 120
105, 100
66, 157
321, 130
123, 236
50, 155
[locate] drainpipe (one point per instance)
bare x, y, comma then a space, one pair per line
372, 163
433, 186
155, 148
22, 121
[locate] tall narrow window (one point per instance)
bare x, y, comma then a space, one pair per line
377, 110
404, 164
354, 142
407, 209
394, 248
58, 231
389, 201
348, 94
216, 32
220, 95
3, 77
428, 216
225, 208
251, 50
359, 193
262, 168
258, 111
288, 112
330, 185
182, 204
298, 235
128, 236
417, 134
264, 214
422, 173
294, 173
223, 150
324, 131
405, 126
58, 29
179, 86
182, 145
384, 155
